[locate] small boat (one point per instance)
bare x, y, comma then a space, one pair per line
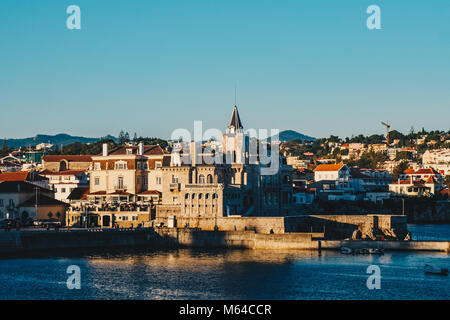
438, 271
376, 251
346, 250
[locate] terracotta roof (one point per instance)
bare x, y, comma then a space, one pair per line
148, 150
418, 183
62, 173
78, 194
150, 192
420, 171
69, 158
329, 167
122, 193
98, 193
426, 171
430, 179
14, 176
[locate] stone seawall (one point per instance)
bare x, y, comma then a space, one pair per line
34, 241
239, 239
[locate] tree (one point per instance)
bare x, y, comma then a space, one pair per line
399, 169
403, 155
123, 137
5, 148
447, 181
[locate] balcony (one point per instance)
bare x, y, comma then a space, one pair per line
120, 187
174, 186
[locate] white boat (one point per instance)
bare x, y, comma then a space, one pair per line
346, 250
438, 271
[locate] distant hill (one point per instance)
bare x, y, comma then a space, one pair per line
59, 139
287, 135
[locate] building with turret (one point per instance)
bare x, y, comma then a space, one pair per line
202, 187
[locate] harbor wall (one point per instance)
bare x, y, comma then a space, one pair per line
35, 241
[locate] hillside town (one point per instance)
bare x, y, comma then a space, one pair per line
132, 183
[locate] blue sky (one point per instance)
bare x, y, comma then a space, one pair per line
153, 66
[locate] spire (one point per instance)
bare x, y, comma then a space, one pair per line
235, 121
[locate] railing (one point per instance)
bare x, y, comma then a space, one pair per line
206, 185
173, 186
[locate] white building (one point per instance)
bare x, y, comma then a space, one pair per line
438, 159
64, 182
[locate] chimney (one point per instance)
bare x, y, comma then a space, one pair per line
105, 149
141, 149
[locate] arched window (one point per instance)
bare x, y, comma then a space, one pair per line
193, 196
186, 196
62, 165
206, 195
215, 196
200, 196
209, 179
201, 179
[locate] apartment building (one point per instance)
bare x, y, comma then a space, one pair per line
126, 173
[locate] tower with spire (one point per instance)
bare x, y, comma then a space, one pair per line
235, 122
234, 140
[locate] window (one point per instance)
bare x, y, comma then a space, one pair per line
97, 166
175, 200
121, 165
63, 190
145, 165
201, 179
158, 180
145, 180
158, 164
174, 178
186, 196
97, 181
209, 179
200, 195
120, 183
